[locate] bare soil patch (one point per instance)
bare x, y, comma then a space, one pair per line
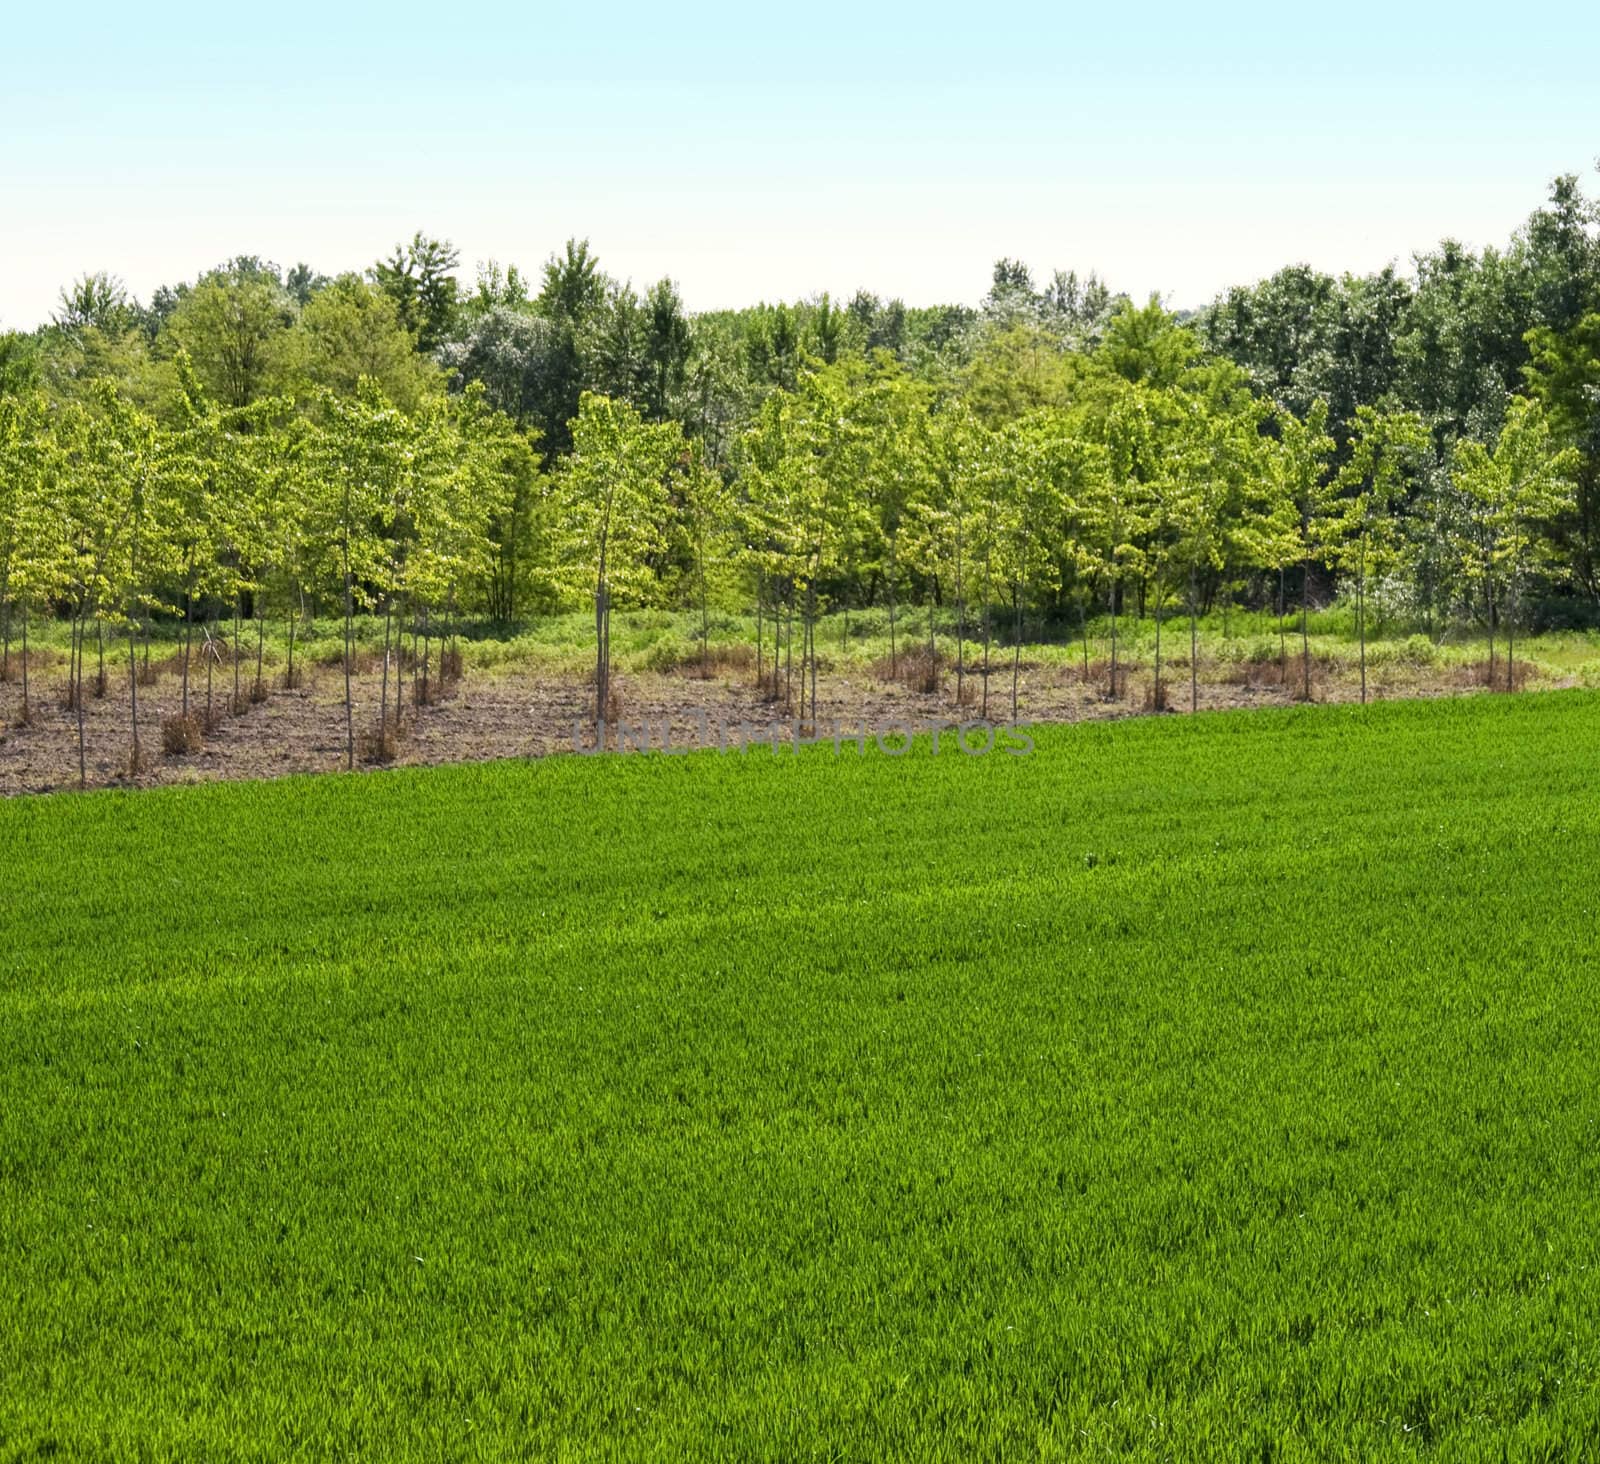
276, 730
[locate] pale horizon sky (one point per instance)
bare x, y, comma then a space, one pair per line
757, 156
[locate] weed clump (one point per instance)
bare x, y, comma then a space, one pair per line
379, 745
182, 735
916, 667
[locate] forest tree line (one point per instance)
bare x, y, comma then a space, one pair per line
397, 442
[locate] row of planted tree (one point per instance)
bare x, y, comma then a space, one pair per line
863, 486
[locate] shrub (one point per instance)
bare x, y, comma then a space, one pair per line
181, 735
379, 745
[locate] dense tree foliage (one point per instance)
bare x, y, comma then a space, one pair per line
258, 439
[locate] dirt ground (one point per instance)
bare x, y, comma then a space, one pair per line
520, 714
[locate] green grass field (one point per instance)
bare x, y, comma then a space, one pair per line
1193, 1088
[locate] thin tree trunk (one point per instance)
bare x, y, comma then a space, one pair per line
788, 652
455, 633
238, 617
72, 663
1194, 645
1016, 654
261, 639
1511, 631
705, 623
1488, 600
27, 710
1305, 626
399, 670
811, 598
188, 644
83, 768
100, 652
349, 702
288, 677
1111, 605
600, 656
1083, 635
1361, 618
760, 594
894, 667
605, 648
988, 625
1283, 639
1158, 647
383, 694
133, 695
961, 636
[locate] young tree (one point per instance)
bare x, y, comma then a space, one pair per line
18, 454
357, 457
32, 550
98, 501
188, 531
613, 497
137, 449
1114, 498
1216, 438
944, 513
1524, 481
1296, 481
1178, 515
1041, 466
705, 517
1361, 531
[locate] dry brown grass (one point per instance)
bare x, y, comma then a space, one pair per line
1158, 698
1494, 675
1112, 688
1304, 688
362, 662
916, 667
378, 745
182, 735
718, 660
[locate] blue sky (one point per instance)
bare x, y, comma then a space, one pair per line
757, 152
